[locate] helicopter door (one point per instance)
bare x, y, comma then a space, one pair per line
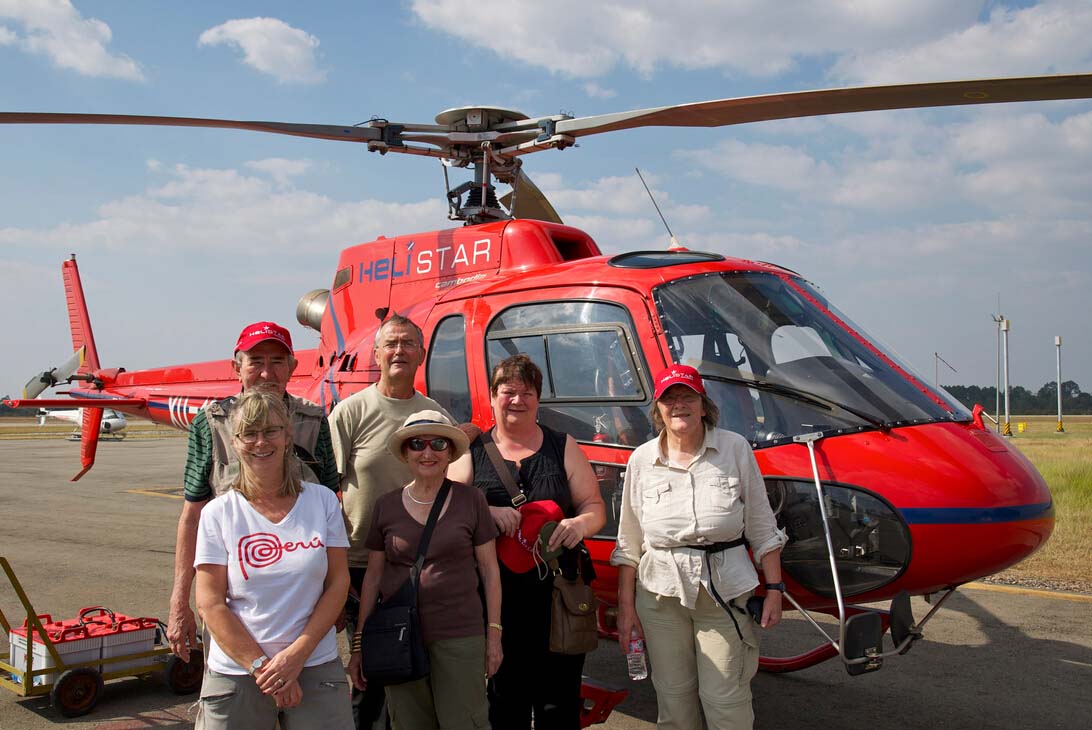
449, 357
595, 384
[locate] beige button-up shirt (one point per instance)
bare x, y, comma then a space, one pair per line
718, 497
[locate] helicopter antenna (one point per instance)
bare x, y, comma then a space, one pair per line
675, 245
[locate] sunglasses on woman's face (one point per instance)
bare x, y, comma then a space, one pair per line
436, 444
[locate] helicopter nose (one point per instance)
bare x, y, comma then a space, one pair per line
919, 508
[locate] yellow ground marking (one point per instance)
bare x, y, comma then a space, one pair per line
156, 492
1079, 597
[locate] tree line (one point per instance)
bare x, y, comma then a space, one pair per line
1024, 402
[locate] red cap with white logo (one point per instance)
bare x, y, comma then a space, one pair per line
678, 375
258, 332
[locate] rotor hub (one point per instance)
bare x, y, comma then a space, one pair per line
477, 118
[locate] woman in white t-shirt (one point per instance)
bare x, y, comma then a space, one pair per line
272, 575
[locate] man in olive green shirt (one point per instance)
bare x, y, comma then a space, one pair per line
263, 358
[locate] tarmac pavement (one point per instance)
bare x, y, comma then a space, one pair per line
992, 657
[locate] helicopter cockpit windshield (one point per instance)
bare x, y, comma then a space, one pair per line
779, 361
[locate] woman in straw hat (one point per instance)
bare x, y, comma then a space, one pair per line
276, 547
693, 500
463, 652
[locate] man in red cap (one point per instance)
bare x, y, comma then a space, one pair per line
263, 358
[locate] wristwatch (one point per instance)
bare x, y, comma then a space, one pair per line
257, 664
775, 586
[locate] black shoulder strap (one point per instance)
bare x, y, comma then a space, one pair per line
502, 470
426, 534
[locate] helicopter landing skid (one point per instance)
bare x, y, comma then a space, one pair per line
863, 637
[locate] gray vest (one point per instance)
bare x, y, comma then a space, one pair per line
306, 419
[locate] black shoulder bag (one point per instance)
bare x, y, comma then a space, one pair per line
573, 611
392, 649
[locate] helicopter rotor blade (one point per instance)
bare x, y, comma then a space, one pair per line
315, 131
48, 378
791, 105
530, 202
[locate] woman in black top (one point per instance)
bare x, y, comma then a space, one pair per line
546, 465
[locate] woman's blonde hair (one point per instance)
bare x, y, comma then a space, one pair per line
258, 408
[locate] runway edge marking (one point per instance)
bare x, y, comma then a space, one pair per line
1078, 597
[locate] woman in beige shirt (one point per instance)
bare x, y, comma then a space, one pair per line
691, 496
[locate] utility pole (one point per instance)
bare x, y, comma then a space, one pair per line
1007, 430
1058, 344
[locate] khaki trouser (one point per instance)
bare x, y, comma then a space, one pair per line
697, 654
452, 697
234, 702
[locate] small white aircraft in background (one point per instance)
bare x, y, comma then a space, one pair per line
113, 422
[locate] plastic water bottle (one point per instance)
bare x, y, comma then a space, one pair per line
635, 658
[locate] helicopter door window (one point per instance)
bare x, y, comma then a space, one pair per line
590, 389
534, 347
446, 376
606, 374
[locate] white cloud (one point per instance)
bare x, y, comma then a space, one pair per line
859, 41
777, 166
226, 210
615, 235
994, 160
755, 37
758, 246
1051, 37
596, 91
57, 30
271, 46
280, 169
608, 194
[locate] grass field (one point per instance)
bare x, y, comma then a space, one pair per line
1065, 461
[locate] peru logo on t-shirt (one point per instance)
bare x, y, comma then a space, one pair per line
262, 549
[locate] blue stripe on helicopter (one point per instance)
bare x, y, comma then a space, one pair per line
976, 515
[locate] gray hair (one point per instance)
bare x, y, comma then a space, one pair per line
398, 319
710, 419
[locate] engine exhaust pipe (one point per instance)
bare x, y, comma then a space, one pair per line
311, 308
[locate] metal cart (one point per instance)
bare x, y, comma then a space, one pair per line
75, 684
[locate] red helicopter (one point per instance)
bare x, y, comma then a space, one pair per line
887, 486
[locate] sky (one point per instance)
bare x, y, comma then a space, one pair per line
920, 225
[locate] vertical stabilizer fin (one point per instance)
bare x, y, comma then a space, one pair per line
79, 322
89, 437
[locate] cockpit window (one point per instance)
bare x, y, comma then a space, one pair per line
780, 366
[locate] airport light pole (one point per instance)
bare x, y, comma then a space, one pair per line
997, 387
1004, 324
937, 359
1058, 344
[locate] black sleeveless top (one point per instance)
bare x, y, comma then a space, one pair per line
541, 475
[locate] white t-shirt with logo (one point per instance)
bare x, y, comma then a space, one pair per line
275, 570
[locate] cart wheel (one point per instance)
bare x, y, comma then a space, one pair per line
184, 677
77, 691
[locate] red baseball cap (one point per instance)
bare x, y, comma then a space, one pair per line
518, 553
678, 375
259, 332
